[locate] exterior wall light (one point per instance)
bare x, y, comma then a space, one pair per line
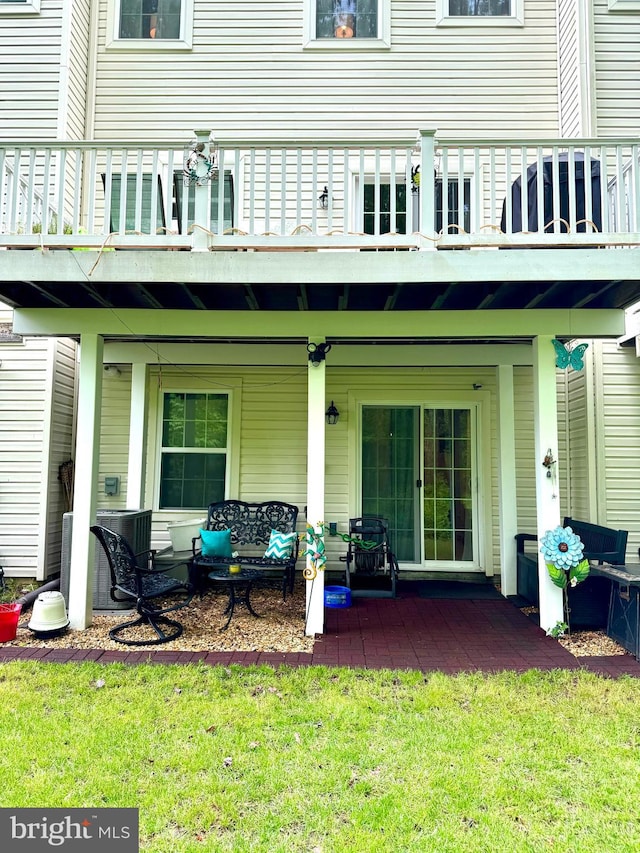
332, 415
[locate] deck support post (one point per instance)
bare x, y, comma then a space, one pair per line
315, 483
545, 413
85, 486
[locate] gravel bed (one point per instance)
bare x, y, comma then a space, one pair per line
280, 628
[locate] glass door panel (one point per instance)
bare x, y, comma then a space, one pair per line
448, 494
389, 460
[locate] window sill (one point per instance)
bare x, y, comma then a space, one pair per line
346, 44
149, 44
624, 5
480, 21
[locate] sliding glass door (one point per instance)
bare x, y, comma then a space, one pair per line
418, 471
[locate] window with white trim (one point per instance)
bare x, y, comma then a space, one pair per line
194, 449
380, 216
480, 12
347, 23
151, 24
19, 7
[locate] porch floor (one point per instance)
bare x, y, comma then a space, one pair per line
449, 635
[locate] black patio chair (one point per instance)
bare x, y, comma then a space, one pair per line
372, 569
135, 578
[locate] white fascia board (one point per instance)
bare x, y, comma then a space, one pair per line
338, 267
138, 322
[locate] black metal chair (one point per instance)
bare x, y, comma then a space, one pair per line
372, 569
135, 578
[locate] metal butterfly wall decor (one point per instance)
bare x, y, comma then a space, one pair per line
566, 357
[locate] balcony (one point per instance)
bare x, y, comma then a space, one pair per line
345, 195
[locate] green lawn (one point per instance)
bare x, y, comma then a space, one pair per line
324, 761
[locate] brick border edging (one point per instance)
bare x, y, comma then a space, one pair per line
612, 666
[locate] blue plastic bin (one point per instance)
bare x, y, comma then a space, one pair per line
337, 596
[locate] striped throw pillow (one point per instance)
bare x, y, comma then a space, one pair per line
280, 545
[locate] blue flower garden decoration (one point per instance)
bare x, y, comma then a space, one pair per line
562, 550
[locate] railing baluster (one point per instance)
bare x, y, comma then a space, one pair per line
524, 187
90, 177
604, 189
634, 189
475, 212
622, 206
346, 190
555, 184
588, 192
62, 179
571, 187
509, 192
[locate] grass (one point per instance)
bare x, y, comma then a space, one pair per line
328, 760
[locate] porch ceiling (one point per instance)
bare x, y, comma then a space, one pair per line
361, 296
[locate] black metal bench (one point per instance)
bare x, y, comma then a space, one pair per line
589, 601
250, 526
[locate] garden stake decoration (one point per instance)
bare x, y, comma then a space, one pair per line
313, 540
562, 550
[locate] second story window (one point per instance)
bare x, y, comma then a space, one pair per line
472, 13
347, 24
480, 7
346, 19
150, 24
149, 19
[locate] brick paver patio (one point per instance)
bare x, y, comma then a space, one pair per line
446, 635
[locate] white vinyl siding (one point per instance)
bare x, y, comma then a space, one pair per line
73, 117
620, 441
35, 436
525, 449
268, 439
249, 75
617, 66
30, 49
569, 68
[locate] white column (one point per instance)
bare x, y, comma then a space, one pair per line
507, 480
86, 481
545, 415
315, 486
136, 472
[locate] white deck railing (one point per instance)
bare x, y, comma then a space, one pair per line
333, 194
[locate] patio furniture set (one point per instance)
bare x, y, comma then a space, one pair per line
241, 546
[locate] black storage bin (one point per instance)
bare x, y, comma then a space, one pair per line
624, 615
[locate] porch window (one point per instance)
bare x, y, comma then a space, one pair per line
377, 213
185, 202
193, 463
154, 24
136, 205
480, 12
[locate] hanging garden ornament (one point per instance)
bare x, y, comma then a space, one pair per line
566, 357
198, 168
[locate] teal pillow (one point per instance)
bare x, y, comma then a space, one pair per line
280, 545
216, 543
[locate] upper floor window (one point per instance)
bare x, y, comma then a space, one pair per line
347, 24
346, 19
480, 12
151, 24
21, 7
